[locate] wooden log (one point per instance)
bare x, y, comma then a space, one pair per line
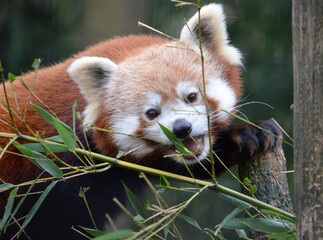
267, 170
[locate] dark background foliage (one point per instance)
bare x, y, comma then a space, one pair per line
53, 30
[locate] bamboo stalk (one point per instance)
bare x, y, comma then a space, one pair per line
197, 182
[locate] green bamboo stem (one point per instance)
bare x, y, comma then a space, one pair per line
131, 166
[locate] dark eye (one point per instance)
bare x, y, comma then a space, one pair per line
192, 97
152, 114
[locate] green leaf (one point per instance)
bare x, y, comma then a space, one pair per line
234, 201
230, 216
260, 224
67, 136
138, 218
8, 208
236, 224
117, 235
56, 138
93, 232
273, 213
24, 197
11, 77
177, 143
49, 118
65, 132
34, 209
282, 236
242, 234
163, 182
135, 204
166, 230
40, 161
253, 189
53, 147
246, 182
5, 186
120, 154
83, 190
190, 220
36, 63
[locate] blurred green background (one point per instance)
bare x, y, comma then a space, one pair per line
53, 30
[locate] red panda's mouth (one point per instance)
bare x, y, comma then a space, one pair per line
195, 145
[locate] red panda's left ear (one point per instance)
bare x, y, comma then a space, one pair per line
213, 33
91, 75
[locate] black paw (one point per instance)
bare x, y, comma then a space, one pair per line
246, 140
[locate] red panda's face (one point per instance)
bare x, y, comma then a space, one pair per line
164, 84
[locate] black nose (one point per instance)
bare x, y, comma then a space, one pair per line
182, 128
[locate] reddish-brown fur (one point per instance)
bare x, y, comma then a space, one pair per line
55, 88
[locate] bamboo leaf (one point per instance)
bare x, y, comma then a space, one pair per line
166, 230
36, 63
8, 208
117, 235
177, 143
242, 233
5, 186
190, 220
49, 118
253, 189
38, 147
67, 136
40, 161
163, 182
135, 204
93, 232
230, 216
11, 77
282, 236
260, 224
65, 132
24, 197
36, 206
273, 213
233, 200
56, 138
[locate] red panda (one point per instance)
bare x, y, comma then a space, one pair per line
128, 85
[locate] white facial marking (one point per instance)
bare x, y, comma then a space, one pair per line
196, 116
184, 88
128, 126
219, 90
153, 101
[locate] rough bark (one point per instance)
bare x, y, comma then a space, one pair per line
308, 117
266, 171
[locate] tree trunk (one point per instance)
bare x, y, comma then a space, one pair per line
308, 117
266, 171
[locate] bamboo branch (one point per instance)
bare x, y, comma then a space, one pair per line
197, 182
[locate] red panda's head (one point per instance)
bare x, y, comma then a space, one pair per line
164, 84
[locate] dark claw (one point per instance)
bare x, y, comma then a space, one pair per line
245, 140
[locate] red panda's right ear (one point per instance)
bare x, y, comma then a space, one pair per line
91, 75
213, 33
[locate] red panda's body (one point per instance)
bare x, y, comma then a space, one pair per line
127, 85
57, 90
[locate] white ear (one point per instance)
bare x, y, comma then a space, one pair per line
91, 75
213, 33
